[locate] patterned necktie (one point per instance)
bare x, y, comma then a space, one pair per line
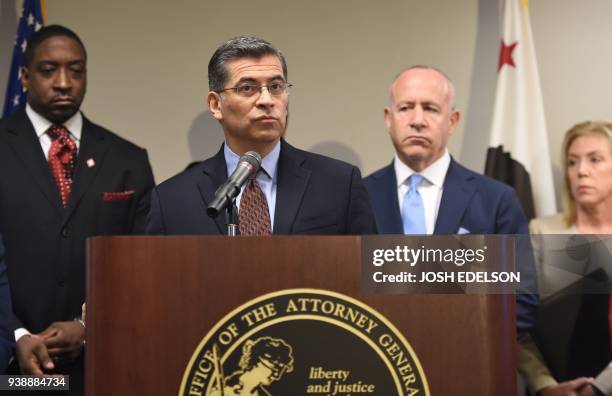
62, 155
253, 215
413, 212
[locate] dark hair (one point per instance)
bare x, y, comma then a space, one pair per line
236, 48
44, 33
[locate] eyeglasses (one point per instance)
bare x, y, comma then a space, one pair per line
249, 90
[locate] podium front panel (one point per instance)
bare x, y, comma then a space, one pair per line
152, 300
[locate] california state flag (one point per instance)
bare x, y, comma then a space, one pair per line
519, 152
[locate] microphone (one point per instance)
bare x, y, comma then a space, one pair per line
248, 165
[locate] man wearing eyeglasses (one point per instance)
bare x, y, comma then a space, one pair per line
294, 192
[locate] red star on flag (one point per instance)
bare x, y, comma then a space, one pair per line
505, 55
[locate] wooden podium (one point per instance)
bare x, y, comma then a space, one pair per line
145, 316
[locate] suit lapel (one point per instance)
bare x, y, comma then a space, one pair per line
390, 216
94, 146
291, 185
25, 143
214, 174
456, 196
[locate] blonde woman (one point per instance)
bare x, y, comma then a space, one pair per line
587, 157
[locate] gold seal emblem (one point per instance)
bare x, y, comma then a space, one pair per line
304, 342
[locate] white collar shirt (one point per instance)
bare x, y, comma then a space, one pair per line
430, 189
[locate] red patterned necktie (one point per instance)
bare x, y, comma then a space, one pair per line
62, 155
254, 215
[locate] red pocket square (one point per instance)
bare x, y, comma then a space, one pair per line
118, 196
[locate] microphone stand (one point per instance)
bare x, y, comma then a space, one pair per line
231, 219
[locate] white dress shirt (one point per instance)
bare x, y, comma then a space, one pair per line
430, 188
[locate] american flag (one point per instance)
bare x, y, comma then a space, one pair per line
30, 21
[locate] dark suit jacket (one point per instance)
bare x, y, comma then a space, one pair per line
7, 338
315, 195
590, 351
470, 201
589, 348
45, 243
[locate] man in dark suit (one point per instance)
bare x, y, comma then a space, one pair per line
297, 192
420, 119
424, 190
466, 204
62, 179
7, 339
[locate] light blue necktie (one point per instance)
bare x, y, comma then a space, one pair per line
413, 212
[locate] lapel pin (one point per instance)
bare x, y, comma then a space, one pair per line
91, 163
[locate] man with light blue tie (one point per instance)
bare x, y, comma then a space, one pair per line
412, 203
424, 190
454, 200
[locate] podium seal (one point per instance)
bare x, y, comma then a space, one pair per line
304, 342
